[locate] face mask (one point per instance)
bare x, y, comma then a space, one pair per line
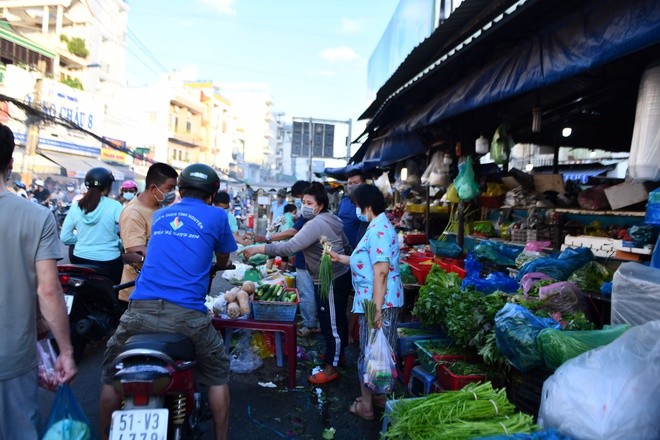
307, 212
70, 188
129, 196
360, 216
350, 188
168, 197
298, 203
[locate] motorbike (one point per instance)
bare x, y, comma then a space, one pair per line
92, 303
160, 396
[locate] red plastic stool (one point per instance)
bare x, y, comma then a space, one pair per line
408, 365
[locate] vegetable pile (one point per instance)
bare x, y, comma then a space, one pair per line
275, 292
474, 411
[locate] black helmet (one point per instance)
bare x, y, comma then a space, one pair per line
99, 178
199, 176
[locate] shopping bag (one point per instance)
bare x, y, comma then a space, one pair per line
66, 420
46, 369
379, 366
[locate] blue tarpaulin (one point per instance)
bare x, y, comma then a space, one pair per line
602, 31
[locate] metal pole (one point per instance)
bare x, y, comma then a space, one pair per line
311, 147
349, 140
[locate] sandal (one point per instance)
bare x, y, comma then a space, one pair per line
322, 377
356, 410
378, 402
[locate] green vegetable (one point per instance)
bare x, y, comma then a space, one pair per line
369, 308
434, 295
591, 276
461, 368
474, 411
325, 269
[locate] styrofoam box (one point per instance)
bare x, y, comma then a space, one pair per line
626, 194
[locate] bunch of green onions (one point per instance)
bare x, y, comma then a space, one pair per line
369, 308
325, 268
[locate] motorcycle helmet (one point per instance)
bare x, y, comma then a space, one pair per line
39, 182
199, 176
19, 184
99, 178
129, 184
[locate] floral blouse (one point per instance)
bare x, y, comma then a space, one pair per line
379, 244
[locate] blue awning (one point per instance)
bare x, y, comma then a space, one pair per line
382, 152
602, 31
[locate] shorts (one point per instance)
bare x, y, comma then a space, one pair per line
19, 418
158, 316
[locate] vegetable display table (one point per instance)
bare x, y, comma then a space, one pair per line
288, 328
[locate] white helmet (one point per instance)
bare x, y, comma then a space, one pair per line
39, 182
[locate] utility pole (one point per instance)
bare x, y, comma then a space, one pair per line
311, 147
348, 140
33, 128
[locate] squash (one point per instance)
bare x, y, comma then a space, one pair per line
230, 296
243, 302
248, 286
233, 311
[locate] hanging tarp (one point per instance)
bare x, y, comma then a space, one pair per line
382, 152
602, 31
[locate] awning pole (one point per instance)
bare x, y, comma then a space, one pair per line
427, 213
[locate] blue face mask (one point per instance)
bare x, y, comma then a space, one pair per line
298, 203
307, 212
360, 216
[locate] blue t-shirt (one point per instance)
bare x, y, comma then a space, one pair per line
299, 256
379, 244
353, 227
180, 253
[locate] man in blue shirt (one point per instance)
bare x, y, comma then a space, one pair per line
170, 291
354, 228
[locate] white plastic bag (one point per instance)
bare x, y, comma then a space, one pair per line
635, 294
435, 174
243, 359
379, 365
46, 375
383, 184
610, 392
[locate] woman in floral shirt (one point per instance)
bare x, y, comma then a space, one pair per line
375, 275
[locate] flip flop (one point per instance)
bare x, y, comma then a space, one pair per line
355, 409
322, 377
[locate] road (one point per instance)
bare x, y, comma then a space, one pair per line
258, 412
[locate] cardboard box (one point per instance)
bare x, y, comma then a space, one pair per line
548, 182
626, 194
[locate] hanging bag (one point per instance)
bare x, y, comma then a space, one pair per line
46, 369
379, 366
66, 420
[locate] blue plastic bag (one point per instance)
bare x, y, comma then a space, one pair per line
493, 282
66, 420
653, 208
472, 266
499, 253
516, 329
546, 434
559, 268
465, 184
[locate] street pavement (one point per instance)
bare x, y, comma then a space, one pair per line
258, 412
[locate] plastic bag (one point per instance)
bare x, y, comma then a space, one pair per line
466, 187
591, 276
407, 276
243, 358
260, 346
383, 184
451, 195
594, 199
563, 297
500, 145
472, 266
493, 282
516, 329
559, 268
635, 294
560, 346
610, 392
546, 434
499, 253
66, 420
530, 279
652, 216
46, 368
536, 246
379, 365
435, 174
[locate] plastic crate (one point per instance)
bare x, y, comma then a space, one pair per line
452, 382
276, 310
525, 389
445, 248
413, 239
428, 358
421, 270
407, 343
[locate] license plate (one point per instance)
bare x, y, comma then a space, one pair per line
69, 303
139, 424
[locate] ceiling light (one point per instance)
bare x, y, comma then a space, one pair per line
529, 167
404, 173
566, 131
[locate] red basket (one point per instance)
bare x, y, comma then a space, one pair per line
420, 271
418, 257
451, 382
413, 239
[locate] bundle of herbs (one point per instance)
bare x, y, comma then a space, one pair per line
325, 268
474, 411
434, 296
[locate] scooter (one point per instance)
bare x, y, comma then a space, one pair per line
92, 303
160, 396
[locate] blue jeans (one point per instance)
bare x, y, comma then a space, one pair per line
305, 286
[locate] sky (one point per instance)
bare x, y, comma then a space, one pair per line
313, 54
